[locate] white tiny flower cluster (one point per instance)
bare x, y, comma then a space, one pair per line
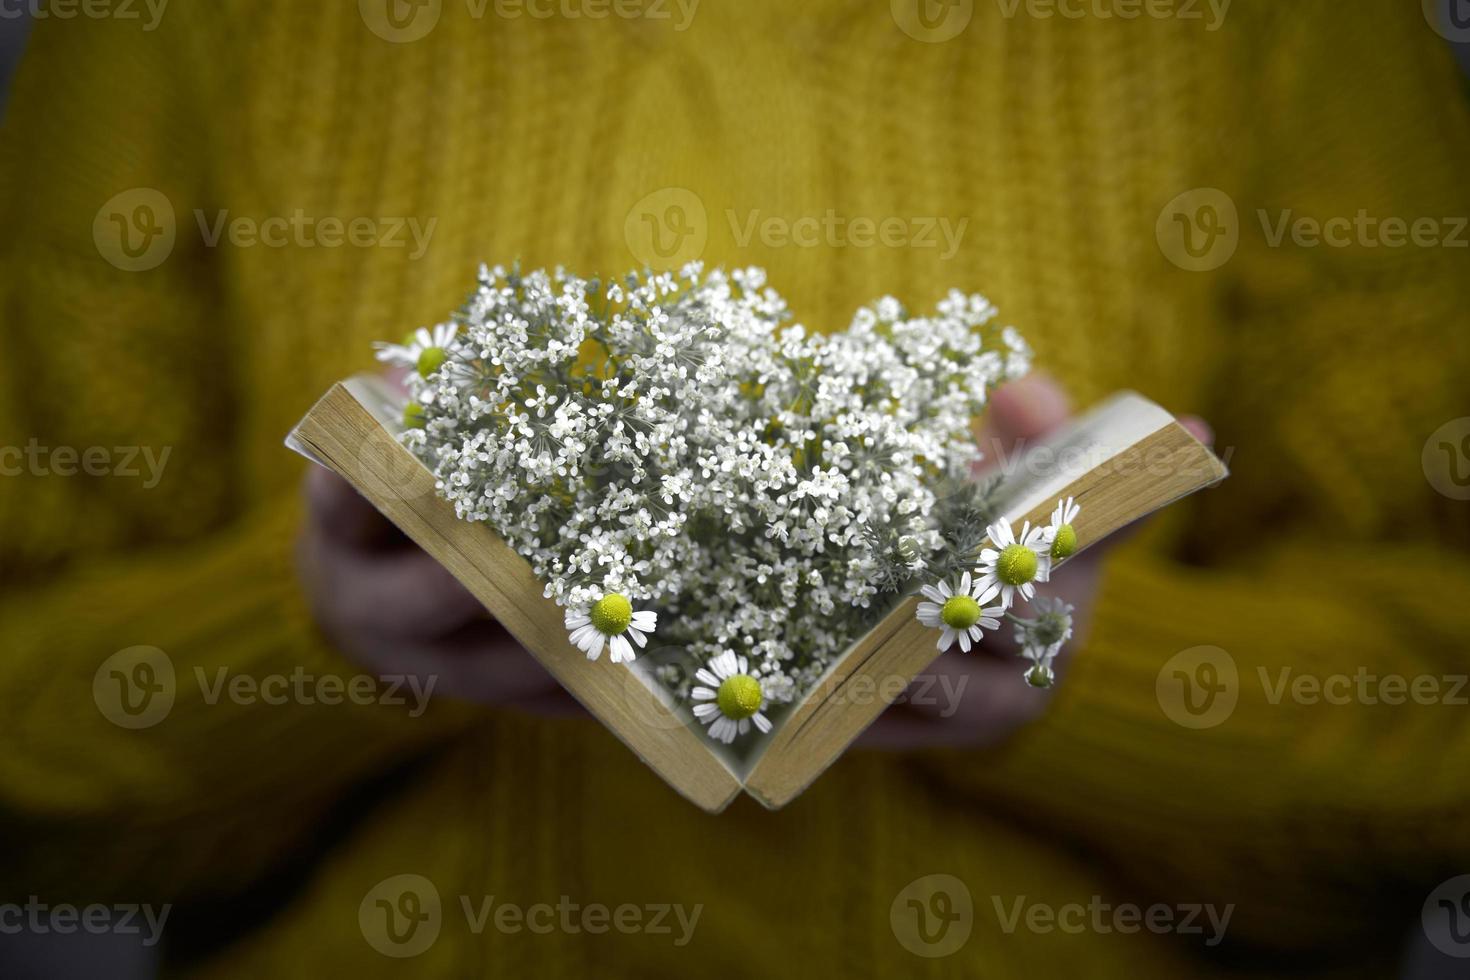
672, 442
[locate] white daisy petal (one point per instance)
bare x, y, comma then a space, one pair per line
622, 650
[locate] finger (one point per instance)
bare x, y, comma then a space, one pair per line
400, 593
483, 663
1027, 409
1198, 428
1020, 412
340, 512
397, 377
984, 699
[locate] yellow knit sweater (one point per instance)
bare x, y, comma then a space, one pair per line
1056, 142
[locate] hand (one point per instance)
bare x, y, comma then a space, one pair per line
981, 698
393, 610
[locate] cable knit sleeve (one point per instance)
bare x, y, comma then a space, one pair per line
1314, 605
125, 519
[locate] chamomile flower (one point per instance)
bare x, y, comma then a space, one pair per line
1061, 532
610, 621
1016, 563
1041, 638
961, 613
424, 350
728, 698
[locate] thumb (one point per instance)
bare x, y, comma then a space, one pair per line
1021, 412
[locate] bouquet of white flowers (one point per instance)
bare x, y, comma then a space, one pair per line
674, 459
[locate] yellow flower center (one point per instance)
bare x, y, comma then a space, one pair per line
1040, 676
611, 614
1065, 543
739, 696
413, 416
430, 359
1016, 565
960, 612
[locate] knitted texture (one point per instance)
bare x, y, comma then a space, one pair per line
1056, 142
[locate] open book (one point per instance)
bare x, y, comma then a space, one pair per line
1121, 461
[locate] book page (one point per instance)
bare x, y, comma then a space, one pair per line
1039, 473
